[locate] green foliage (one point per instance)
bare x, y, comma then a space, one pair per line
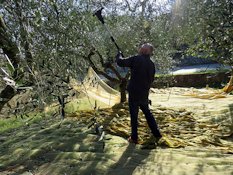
61, 33
208, 25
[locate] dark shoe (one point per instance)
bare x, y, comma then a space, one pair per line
148, 146
151, 143
130, 140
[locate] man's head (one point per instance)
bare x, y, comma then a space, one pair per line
146, 49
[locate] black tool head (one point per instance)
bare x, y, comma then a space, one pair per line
99, 15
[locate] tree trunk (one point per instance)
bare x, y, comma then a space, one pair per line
23, 22
11, 50
118, 79
6, 94
123, 86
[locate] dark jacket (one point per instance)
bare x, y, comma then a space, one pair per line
142, 76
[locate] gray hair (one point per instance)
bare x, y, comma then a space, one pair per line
146, 49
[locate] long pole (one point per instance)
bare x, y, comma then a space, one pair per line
98, 14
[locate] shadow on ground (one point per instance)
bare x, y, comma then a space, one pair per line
50, 147
48, 143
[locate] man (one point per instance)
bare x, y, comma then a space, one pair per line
142, 75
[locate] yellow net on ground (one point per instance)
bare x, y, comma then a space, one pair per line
179, 128
229, 87
207, 93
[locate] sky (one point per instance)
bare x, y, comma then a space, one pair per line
161, 3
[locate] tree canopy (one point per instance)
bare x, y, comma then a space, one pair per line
50, 40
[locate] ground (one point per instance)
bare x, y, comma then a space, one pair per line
50, 146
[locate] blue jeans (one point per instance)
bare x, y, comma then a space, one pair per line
134, 109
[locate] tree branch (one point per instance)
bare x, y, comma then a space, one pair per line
115, 71
109, 65
101, 57
132, 9
97, 70
24, 34
127, 75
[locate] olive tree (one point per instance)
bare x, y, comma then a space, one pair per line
206, 26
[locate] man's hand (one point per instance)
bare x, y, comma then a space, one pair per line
119, 54
123, 62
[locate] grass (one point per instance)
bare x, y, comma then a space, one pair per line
13, 122
34, 139
84, 103
59, 145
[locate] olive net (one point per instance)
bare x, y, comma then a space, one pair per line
96, 88
179, 127
207, 93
